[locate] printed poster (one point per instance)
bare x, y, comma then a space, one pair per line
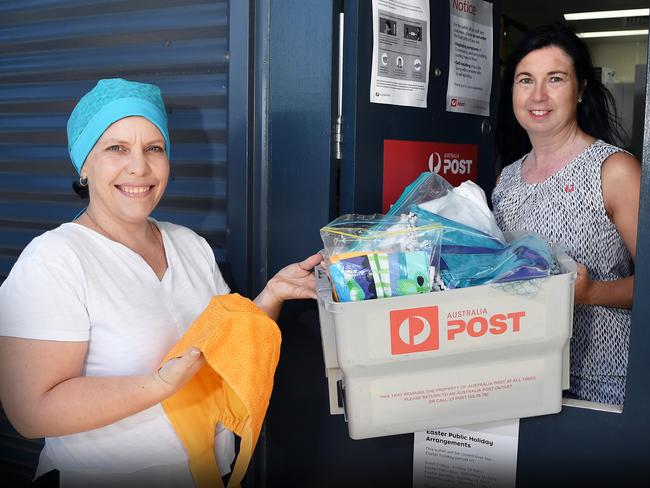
400, 52
470, 57
477, 456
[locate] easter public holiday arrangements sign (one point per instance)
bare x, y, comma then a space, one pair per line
479, 455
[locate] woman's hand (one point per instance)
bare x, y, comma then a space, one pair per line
294, 281
177, 371
583, 285
617, 293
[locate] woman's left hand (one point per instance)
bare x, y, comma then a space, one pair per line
583, 286
294, 281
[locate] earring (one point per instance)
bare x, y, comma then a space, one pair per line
579, 99
83, 181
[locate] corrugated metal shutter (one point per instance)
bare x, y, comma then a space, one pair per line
53, 51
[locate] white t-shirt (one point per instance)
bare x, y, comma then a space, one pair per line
74, 284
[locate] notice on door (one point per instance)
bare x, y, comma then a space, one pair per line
478, 456
400, 52
470, 57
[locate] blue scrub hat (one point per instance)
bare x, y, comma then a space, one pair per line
109, 101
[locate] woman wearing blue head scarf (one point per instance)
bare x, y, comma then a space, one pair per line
91, 307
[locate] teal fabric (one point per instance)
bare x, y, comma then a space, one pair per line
109, 101
469, 257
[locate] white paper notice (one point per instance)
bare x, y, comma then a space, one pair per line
477, 456
400, 52
470, 57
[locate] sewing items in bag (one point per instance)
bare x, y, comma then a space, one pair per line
376, 256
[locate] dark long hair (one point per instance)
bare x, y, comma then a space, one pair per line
596, 113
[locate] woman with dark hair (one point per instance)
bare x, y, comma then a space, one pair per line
596, 112
575, 188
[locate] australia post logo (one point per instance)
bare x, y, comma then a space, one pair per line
404, 161
414, 330
449, 164
420, 329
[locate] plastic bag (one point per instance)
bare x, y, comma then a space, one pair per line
378, 256
465, 204
469, 257
426, 187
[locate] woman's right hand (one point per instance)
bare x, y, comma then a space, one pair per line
293, 282
177, 371
615, 293
583, 286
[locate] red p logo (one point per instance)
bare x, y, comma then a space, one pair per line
414, 330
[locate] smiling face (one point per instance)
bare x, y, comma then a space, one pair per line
545, 92
127, 171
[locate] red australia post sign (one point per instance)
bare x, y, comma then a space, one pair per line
405, 160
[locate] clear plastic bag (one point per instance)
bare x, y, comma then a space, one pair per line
426, 187
465, 204
379, 256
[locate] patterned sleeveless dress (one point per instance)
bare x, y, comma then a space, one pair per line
568, 210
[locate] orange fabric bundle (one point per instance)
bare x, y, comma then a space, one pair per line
241, 345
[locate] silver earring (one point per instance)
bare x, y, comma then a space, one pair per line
83, 181
580, 100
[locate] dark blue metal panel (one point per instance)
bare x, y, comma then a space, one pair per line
297, 144
300, 127
239, 143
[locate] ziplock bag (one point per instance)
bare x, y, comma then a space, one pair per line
379, 256
465, 204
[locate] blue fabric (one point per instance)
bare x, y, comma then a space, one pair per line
469, 257
109, 101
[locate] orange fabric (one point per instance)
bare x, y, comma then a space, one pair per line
241, 345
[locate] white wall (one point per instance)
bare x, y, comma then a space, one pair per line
620, 55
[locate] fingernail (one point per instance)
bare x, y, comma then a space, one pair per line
194, 352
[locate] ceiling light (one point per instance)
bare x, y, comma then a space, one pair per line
637, 32
609, 14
